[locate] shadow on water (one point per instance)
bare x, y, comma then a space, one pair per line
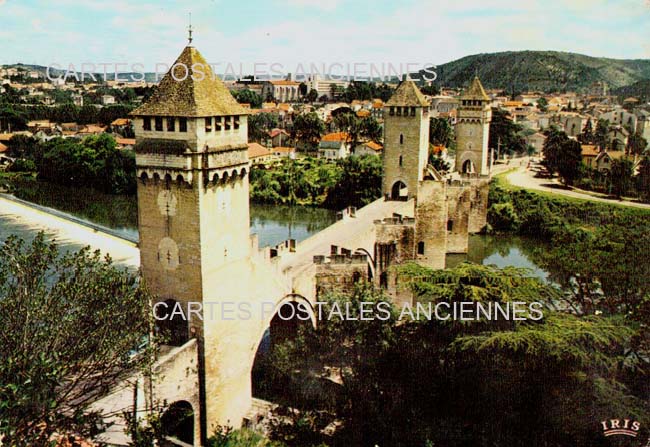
273, 224
502, 251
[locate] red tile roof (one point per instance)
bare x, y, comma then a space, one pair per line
589, 150
336, 136
257, 150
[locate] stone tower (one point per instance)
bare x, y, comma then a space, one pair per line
406, 141
193, 212
472, 131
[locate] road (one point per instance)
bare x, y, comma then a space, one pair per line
524, 177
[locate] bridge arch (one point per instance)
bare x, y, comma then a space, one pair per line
282, 324
399, 191
468, 167
371, 262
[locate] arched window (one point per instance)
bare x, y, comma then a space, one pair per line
420, 248
401, 138
400, 160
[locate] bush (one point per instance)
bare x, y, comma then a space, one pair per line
23, 165
503, 217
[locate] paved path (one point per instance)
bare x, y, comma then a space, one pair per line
351, 233
525, 178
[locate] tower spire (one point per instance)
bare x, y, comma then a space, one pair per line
189, 30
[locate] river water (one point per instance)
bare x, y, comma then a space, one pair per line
272, 223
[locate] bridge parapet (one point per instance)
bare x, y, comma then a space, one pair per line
288, 246
396, 219
347, 213
342, 259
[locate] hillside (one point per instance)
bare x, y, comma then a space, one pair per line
640, 89
541, 70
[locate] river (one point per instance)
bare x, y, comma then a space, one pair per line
273, 224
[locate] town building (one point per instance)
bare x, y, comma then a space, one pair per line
334, 146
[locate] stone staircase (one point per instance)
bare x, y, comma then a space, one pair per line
260, 415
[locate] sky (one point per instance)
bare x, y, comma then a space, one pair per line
296, 33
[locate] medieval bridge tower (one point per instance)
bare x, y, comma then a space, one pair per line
195, 244
406, 142
446, 208
473, 130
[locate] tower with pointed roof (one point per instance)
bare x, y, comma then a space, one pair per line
193, 217
472, 131
406, 141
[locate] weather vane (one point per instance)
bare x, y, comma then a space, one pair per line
189, 29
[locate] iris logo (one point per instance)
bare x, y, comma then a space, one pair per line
624, 427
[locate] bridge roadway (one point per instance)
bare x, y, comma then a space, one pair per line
351, 233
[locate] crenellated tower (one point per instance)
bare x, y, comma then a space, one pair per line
472, 131
193, 219
406, 141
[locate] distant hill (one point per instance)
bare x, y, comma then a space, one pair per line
541, 70
640, 89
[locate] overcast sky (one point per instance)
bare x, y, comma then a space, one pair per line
292, 32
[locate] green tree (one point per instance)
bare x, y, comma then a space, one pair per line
601, 134
71, 325
12, 119
440, 132
542, 104
506, 134
312, 96
94, 162
636, 144
553, 376
303, 88
359, 183
308, 128
247, 96
643, 179
260, 124
569, 162
620, 176
555, 139
587, 135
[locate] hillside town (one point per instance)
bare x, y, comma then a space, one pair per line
328, 119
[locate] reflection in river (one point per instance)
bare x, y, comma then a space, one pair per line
501, 251
273, 224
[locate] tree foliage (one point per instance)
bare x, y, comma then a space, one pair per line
260, 124
71, 323
440, 132
562, 155
506, 134
457, 383
620, 176
308, 129
94, 162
